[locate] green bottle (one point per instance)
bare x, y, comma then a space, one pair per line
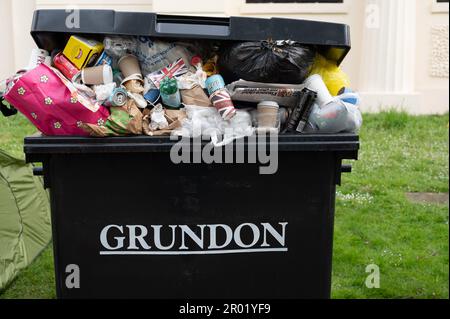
169, 92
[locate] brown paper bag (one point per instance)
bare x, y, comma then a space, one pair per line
195, 96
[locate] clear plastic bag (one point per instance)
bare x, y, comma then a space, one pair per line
206, 122
335, 117
156, 55
116, 47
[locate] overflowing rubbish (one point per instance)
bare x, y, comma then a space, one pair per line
131, 85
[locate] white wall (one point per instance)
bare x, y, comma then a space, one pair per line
430, 68
7, 64
431, 87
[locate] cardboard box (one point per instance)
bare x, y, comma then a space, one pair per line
82, 52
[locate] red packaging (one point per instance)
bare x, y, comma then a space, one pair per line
65, 66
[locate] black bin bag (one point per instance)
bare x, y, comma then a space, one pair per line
267, 61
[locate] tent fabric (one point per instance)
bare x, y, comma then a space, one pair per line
25, 227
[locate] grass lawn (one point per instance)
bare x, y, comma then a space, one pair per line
375, 222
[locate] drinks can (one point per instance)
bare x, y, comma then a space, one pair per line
118, 98
214, 83
66, 67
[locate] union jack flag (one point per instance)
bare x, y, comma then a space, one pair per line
176, 69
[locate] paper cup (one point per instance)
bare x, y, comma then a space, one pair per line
268, 115
97, 75
136, 77
316, 83
129, 65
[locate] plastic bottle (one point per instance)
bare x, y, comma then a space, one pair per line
170, 93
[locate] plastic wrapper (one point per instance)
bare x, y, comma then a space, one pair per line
190, 80
255, 92
117, 46
156, 55
103, 92
335, 117
335, 79
267, 61
206, 122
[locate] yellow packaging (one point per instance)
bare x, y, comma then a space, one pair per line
82, 52
335, 79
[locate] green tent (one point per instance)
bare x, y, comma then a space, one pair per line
25, 228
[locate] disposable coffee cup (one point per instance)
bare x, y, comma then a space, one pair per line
136, 77
315, 83
268, 115
129, 65
97, 75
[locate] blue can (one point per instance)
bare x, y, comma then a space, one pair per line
119, 97
214, 83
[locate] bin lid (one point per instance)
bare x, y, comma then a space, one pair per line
50, 29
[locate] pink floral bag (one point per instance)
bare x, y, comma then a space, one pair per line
53, 104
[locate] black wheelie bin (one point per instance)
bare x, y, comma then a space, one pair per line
129, 222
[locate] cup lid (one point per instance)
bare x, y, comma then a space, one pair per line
268, 104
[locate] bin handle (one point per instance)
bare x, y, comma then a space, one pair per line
346, 168
38, 171
199, 26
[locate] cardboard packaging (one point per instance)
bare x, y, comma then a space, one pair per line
82, 52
